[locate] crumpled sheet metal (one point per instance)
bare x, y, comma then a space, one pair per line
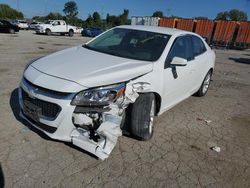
109, 130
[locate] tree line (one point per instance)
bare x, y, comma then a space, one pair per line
95, 20
7, 12
71, 17
232, 15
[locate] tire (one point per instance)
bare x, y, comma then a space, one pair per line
48, 32
142, 116
71, 33
205, 85
11, 31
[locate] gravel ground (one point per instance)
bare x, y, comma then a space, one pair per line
178, 155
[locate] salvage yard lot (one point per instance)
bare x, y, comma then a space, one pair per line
178, 155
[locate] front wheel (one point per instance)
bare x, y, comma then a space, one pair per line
48, 32
142, 116
205, 85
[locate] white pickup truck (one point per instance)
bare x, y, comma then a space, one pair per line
56, 26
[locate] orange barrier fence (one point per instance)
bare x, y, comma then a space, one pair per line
218, 32
204, 28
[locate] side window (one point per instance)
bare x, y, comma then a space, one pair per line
183, 48
199, 46
56, 23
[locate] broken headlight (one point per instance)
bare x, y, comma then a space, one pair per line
100, 96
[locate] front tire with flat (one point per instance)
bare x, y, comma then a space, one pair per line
142, 116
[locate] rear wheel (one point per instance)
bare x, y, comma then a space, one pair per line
205, 85
48, 32
71, 33
142, 116
11, 31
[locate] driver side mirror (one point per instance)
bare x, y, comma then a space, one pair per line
178, 61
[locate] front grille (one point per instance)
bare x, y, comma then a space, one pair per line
49, 110
42, 126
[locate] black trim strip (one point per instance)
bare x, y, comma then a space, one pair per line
40, 125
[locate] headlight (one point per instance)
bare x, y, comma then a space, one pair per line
99, 96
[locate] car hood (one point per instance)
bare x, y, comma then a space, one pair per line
90, 68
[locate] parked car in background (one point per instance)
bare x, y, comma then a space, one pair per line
7, 27
22, 24
132, 73
91, 32
34, 25
56, 26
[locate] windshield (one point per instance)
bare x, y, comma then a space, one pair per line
132, 44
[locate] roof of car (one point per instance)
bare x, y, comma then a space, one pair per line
164, 30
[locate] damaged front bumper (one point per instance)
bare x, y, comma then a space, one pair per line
94, 129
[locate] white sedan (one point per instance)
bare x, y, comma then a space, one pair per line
121, 79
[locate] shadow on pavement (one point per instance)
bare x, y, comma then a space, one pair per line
1, 177
241, 60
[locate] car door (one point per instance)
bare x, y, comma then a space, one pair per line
1, 27
4, 26
201, 56
56, 27
63, 27
178, 80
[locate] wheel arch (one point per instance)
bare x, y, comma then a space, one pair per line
157, 102
211, 69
